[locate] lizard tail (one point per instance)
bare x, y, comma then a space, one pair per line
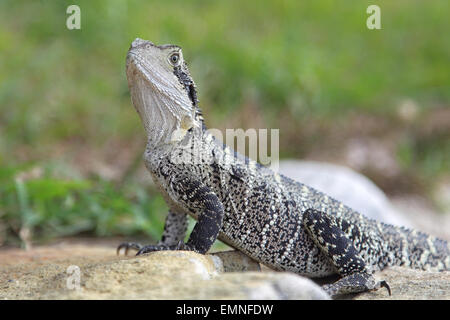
416, 249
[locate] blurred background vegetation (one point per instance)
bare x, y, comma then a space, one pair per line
71, 142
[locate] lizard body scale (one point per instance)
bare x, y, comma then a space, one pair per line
271, 218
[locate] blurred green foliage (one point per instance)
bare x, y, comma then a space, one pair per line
307, 60
53, 207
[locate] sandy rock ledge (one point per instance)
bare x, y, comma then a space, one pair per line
48, 273
42, 274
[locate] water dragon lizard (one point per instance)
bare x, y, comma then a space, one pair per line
273, 219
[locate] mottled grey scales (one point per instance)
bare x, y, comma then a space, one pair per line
271, 218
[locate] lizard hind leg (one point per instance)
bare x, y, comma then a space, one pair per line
327, 233
174, 232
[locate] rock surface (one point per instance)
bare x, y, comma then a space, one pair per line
42, 273
408, 284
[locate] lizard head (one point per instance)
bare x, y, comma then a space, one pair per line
162, 91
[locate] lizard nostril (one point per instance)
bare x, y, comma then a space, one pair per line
136, 42
139, 42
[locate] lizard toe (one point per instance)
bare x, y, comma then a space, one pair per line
127, 246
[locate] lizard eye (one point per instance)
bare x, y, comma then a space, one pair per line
174, 58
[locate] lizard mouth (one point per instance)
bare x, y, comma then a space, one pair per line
136, 64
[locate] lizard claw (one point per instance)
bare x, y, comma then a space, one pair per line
127, 246
183, 246
384, 284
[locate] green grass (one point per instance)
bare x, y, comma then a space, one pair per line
54, 207
64, 92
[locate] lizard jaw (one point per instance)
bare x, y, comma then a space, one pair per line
166, 108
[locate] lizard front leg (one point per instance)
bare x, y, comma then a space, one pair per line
198, 196
327, 233
175, 228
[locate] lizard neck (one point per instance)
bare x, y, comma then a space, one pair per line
185, 151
